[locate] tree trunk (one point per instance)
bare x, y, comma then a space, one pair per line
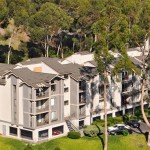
105, 113
148, 139
8, 57
45, 47
9, 51
143, 93
58, 49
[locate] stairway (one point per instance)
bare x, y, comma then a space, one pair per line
68, 122
71, 127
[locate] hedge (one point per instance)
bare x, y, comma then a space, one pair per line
92, 130
74, 135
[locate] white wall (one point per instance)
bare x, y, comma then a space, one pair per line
5, 101
67, 97
20, 104
80, 59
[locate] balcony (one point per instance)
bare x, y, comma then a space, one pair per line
42, 95
44, 122
82, 115
82, 101
127, 91
42, 109
126, 79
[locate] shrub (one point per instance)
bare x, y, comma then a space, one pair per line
74, 135
126, 118
125, 132
92, 130
110, 121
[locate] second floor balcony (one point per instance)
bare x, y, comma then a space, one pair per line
42, 109
42, 95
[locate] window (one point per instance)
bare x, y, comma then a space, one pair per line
66, 89
66, 102
54, 116
52, 81
43, 134
26, 134
12, 131
52, 102
53, 88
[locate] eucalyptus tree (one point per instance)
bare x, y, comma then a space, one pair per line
85, 13
13, 36
3, 11
112, 35
140, 33
19, 11
46, 23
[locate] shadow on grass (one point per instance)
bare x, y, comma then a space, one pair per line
146, 134
99, 136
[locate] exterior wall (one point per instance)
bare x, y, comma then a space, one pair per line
5, 101
74, 98
80, 59
20, 103
134, 53
116, 91
67, 97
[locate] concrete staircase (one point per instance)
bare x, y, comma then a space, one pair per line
72, 127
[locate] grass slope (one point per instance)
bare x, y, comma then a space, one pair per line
131, 142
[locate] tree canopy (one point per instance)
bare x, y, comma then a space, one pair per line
75, 25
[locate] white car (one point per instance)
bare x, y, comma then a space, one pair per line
117, 126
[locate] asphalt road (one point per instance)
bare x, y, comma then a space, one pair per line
143, 128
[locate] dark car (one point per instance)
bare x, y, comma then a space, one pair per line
120, 131
133, 123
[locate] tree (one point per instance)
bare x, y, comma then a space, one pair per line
13, 37
3, 11
46, 22
19, 11
112, 32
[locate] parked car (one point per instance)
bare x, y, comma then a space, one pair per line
120, 130
115, 127
133, 123
56, 132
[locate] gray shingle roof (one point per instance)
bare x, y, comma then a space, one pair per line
75, 70
4, 68
34, 79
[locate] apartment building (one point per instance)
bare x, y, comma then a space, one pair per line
32, 105
47, 97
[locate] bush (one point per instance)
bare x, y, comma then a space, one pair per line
74, 135
110, 121
125, 132
92, 130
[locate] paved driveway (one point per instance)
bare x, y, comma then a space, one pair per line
143, 128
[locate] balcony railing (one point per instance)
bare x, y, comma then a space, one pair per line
42, 95
82, 114
126, 79
82, 101
44, 122
43, 109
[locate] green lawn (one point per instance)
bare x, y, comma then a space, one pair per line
131, 142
